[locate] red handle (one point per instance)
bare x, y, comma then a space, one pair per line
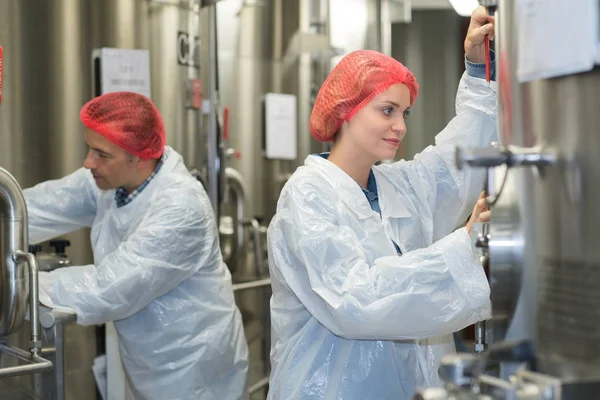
226, 123
0, 74
487, 59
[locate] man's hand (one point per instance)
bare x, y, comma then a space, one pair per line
481, 26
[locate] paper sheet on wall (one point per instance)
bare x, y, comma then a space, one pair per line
125, 70
280, 126
557, 37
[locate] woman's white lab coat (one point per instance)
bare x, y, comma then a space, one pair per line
350, 318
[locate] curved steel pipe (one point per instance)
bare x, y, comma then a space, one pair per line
35, 344
235, 182
14, 280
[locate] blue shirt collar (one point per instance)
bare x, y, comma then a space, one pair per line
122, 197
371, 190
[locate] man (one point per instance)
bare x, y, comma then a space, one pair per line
158, 271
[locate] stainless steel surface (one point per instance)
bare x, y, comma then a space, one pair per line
555, 210
245, 52
50, 262
481, 157
35, 342
52, 386
545, 274
479, 336
173, 38
510, 156
258, 385
384, 29
15, 392
457, 369
506, 251
523, 385
513, 98
34, 363
251, 285
565, 115
212, 95
258, 232
513, 294
233, 252
14, 280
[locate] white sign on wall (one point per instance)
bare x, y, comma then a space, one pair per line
124, 70
280, 126
556, 38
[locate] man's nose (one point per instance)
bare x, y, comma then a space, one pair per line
89, 162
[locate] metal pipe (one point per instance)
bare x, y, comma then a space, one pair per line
35, 363
258, 259
13, 279
195, 7
510, 156
34, 303
251, 285
235, 181
258, 385
384, 31
479, 336
212, 153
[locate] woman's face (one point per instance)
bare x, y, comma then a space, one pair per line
379, 127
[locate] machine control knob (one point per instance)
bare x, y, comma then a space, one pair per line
432, 394
458, 369
480, 157
483, 241
34, 248
60, 245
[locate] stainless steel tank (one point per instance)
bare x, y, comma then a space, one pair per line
565, 116
511, 255
174, 45
542, 241
245, 56
554, 209
14, 279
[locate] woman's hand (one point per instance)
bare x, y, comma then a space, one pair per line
481, 213
481, 26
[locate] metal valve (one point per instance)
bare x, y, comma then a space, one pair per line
510, 156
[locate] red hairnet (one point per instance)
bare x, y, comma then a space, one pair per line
353, 83
129, 120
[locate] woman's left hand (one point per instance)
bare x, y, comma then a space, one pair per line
481, 26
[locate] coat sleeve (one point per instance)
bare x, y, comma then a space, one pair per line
61, 206
426, 292
170, 244
450, 193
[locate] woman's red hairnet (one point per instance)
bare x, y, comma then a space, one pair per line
129, 120
353, 83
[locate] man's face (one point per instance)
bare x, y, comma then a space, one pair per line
110, 165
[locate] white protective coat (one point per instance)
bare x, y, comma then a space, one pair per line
158, 274
351, 319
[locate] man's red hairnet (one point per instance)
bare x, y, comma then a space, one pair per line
129, 120
353, 83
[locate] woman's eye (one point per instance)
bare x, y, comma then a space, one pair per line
388, 111
405, 114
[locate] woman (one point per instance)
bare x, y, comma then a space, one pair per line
369, 279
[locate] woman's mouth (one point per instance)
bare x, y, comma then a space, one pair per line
393, 142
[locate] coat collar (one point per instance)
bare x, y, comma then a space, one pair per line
352, 195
